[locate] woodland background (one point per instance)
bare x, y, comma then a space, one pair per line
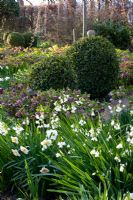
58, 21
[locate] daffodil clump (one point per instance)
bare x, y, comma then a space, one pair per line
71, 151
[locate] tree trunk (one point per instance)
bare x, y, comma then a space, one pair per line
84, 17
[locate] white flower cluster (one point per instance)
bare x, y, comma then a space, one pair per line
62, 104
40, 120
118, 108
26, 122
3, 129
51, 136
18, 129
95, 153
115, 125
22, 149
46, 143
54, 121
82, 122
122, 166
75, 128
117, 159
93, 133
109, 137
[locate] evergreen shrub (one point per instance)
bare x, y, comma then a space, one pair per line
16, 39
96, 64
54, 72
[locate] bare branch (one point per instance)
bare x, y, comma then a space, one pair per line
29, 2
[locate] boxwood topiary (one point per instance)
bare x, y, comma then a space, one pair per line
96, 64
30, 39
54, 72
16, 39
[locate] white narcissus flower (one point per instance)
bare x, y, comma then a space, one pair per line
117, 159
92, 113
112, 123
74, 128
14, 140
52, 134
24, 150
15, 152
130, 140
61, 101
26, 122
66, 98
92, 131
58, 155
58, 108
122, 167
45, 144
117, 127
3, 129
46, 125
73, 109
79, 102
109, 138
37, 116
119, 146
44, 170
18, 129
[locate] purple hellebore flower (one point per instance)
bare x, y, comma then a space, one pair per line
1, 90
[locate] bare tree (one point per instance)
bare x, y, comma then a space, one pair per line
84, 17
